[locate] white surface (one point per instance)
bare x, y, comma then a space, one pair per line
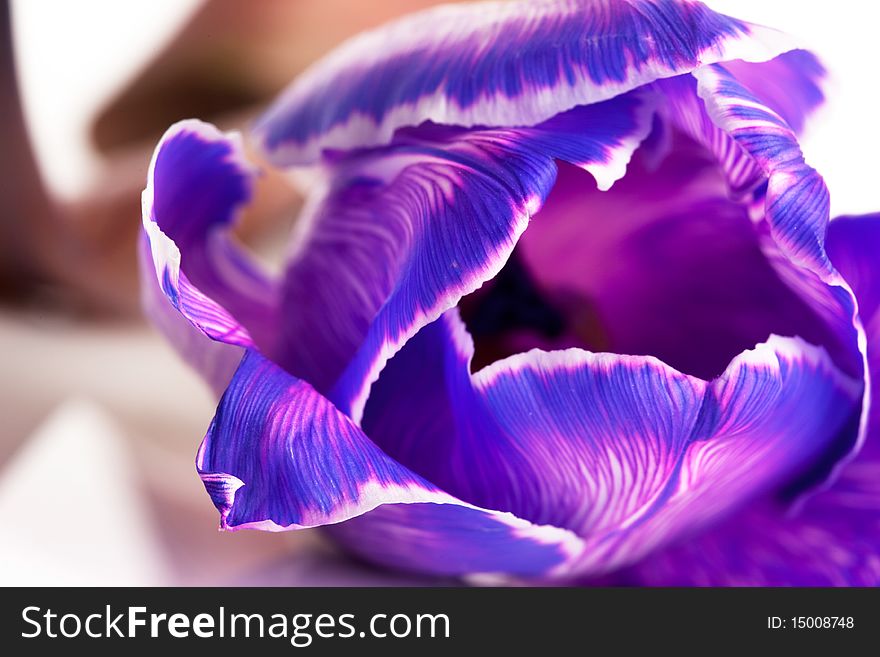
72, 512
97, 477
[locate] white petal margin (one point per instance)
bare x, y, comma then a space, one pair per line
278, 456
468, 65
624, 451
197, 182
794, 213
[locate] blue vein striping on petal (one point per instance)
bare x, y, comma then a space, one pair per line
444, 207
498, 64
623, 451
278, 456
790, 85
197, 182
796, 211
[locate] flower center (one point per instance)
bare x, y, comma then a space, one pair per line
664, 264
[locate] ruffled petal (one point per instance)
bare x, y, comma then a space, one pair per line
278, 456
198, 180
726, 260
787, 87
665, 264
214, 361
833, 539
402, 234
624, 451
790, 85
498, 64
853, 244
797, 199
793, 212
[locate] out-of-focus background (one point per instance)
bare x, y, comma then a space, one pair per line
99, 420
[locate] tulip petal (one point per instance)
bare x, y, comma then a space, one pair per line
278, 456
659, 248
198, 180
624, 451
403, 233
797, 200
833, 539
214, 361
498, 64
790, 85
853, 244
759, 151
451, 540
794, 207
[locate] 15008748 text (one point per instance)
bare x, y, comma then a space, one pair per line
810, 623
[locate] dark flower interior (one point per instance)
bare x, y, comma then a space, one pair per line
665, 263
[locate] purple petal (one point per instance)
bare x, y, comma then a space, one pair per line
214, 361
660, 244
665, 264
197, 181
797, 200
790, 85
785, 88
794, 207
833, 539
402, 234
684, 110
623, 451
279, 456
853, 244
444, 539
498, 64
